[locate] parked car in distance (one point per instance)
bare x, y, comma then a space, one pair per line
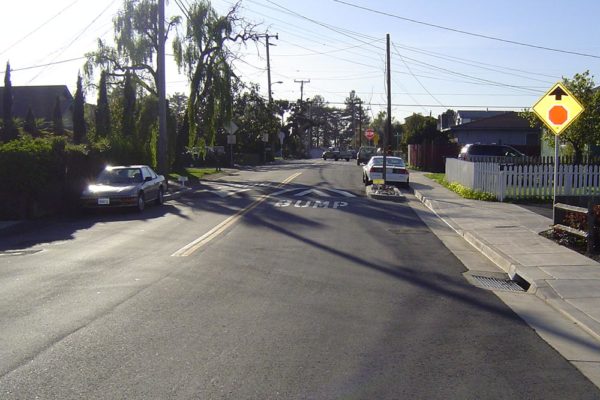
396, 172
125, 186
336, 153
364, 154
481, 152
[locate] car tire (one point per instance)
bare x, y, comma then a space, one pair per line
141, 202
160, 199
347, 159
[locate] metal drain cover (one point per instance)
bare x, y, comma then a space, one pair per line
492, 283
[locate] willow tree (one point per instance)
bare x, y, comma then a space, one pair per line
136, 45
201, 51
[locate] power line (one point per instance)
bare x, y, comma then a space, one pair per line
39, 27
466, 32
76, 38
342, 32
45, 65
184, 10
417, 79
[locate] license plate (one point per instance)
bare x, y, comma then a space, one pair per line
103, 201
378, 181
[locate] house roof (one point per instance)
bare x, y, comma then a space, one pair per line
507, 120
41, 99
476, 114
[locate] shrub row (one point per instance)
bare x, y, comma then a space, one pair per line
42, 176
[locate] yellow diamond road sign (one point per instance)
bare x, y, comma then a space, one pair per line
558, 108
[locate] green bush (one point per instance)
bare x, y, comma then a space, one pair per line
30, 170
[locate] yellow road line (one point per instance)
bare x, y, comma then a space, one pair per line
217, 230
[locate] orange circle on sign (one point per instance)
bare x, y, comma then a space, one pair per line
558, 115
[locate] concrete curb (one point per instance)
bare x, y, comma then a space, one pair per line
538, 287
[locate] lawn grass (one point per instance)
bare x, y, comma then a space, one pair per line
193, 174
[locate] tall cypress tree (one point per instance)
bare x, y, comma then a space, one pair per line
30, 126
10, 131
79, 128
58, 126
102, 109
129, 101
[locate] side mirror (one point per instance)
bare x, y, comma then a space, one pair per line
147, 179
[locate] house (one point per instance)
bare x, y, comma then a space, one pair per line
506, 127
452, 118
41, 99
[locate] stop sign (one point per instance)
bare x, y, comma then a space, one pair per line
369, 134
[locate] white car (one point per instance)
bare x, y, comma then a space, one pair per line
396, 172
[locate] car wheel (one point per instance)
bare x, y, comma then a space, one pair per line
347, 159
160, 199
141, 202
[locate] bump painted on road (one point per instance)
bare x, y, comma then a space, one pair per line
310, 204
190, 248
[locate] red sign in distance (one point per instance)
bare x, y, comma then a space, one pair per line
558, 115
369, 134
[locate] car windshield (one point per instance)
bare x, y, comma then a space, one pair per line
119, 176
394, 161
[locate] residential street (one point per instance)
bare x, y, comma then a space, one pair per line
282, 281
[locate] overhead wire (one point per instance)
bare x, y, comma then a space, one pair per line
20, 40
468, 33
75, 38
414, 76
348, 33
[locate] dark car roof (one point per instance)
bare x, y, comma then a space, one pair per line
477, 149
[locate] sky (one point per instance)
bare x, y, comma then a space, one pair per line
460, 54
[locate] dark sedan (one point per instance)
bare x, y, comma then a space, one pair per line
125, 186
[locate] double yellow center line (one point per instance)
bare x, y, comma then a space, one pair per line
223, 226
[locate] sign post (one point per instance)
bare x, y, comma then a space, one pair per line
557, 109
281, 135
231, 128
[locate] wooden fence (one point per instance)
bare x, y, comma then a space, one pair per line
517, 182
431, 156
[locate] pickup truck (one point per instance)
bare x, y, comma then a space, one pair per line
337, 153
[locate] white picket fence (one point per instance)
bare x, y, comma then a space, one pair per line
516, 182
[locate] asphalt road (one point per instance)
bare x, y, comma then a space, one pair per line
281, 282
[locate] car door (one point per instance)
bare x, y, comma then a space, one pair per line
150, 185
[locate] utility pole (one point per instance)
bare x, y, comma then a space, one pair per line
267, 36
270, 97
359, 123
162, 100
353, 122
386, 137
302, 82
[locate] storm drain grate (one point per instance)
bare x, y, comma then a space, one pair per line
497, 283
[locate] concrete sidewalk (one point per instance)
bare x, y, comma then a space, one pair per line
509, 236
